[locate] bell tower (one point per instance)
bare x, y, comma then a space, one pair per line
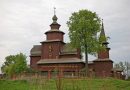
103, 64
103, 54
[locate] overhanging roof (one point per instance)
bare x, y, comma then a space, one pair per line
36, 50
102, 60
63, 60
49, 41
54, 30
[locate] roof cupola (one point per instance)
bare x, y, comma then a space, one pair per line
55, 25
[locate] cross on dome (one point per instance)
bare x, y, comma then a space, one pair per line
54, 10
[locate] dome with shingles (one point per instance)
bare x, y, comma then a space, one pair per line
36, 50
54, 18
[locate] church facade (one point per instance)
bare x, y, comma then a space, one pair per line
54, 54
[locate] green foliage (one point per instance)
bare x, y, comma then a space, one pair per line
14, 64
21, 64
83, 28
69, 48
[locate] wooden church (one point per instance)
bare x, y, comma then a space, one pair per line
54, 55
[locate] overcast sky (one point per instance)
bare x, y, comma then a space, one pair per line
24, 22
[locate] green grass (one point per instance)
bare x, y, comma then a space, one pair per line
14, 85
65, 84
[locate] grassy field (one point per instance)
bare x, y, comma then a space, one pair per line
65, 84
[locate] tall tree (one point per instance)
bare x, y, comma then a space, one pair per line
83, 28
8, 65
14, 64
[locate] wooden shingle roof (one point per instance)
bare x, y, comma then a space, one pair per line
63, 60
36, 50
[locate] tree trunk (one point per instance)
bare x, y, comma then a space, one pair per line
86, 62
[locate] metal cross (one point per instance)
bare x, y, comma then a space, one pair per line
54, 10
